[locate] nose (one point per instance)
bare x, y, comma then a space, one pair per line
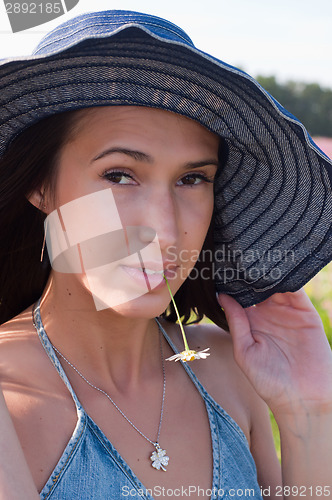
160, 216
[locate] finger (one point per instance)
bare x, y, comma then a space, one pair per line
297, 300
238, 323
300, 299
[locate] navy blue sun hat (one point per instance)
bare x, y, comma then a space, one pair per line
273, 199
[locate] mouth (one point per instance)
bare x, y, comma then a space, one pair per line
148, 277
151, 272
168, 272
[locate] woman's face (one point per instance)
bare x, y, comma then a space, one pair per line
142, 179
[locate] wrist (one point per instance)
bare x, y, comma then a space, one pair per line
297, 408
305, 420
306, 451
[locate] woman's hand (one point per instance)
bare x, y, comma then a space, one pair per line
281, 346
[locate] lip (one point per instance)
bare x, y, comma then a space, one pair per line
150, 281
157, 266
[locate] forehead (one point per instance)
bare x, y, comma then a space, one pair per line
139, 122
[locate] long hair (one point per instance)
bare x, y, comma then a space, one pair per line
30, 163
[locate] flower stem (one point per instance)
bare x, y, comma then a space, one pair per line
178, 316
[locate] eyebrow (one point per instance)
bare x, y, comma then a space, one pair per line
144, 157
136, 155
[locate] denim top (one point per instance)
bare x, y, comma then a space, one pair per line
90, 468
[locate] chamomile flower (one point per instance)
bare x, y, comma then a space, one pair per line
187, 354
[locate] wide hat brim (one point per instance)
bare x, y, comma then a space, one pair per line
273, 200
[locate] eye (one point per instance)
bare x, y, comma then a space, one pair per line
118, 177
194, 179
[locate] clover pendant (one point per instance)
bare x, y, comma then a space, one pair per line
159, 458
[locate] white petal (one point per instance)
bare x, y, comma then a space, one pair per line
204, 355
175, 357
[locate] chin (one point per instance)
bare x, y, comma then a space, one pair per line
145, 307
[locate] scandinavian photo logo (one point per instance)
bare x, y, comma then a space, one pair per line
28, 14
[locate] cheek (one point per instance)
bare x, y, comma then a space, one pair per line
197, 223
199, 211
74, 183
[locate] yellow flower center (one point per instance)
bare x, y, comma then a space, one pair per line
189, 355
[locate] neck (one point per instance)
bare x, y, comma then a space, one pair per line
104, 345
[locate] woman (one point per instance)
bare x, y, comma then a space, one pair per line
118, 134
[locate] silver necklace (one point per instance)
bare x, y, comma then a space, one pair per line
159, 458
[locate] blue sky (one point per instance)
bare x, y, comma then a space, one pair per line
291, 39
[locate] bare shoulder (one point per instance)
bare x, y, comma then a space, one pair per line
22, 357
21, 363
39, 404
17, 337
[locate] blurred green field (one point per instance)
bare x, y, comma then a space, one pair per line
319, 290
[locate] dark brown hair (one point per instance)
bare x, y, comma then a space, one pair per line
29, 163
